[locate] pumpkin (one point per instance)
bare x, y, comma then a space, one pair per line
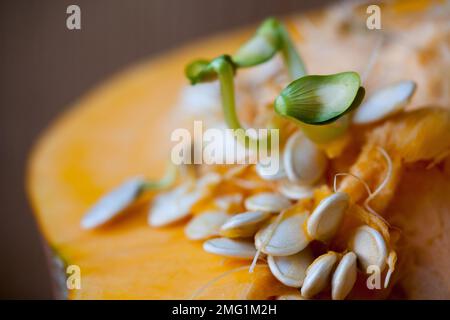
119, 130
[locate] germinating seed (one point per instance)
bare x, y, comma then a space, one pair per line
318, 274
113, 203
287, 238
244, 224
267, 202
303, 161
327, 216
295, 191
230, 248
291, 270
344, 277
205, 225
369, 246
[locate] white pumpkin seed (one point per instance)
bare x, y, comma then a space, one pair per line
176, 204
318, 274
230, 248
235, 171
303, 161
294, 191
266, 172
227, 202
205, 225
267, 202
287, 238
344, 277
327, 216
173, 205
244, 224
113, 203
369, 246
291, 270
291, 296
385, 102
209, 180
248, 184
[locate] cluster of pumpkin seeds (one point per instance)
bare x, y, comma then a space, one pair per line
273, 228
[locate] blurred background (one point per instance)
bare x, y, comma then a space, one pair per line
44, 67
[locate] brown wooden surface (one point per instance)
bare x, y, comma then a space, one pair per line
44, 67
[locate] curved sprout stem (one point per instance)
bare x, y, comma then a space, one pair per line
391, 261
291, 57
371, 195
266, 241
254, 261
225, 72
166, 181
270, 38
351, 175
381, 186
383, 183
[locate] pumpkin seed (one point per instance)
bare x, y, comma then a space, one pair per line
267, 202
385, 102
344, 277
291, 270
248, 184
174, 205
113, 203
266, 172
318, 274
209, 180
235, 171
286, 238
303, 161
244, 224
369, 246
230, 248
226, 203
294, 191
327, 216
205, 225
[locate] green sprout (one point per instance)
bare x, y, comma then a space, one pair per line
200, 71
166, 181
317, 103
223, 68
270, 38
319, 99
